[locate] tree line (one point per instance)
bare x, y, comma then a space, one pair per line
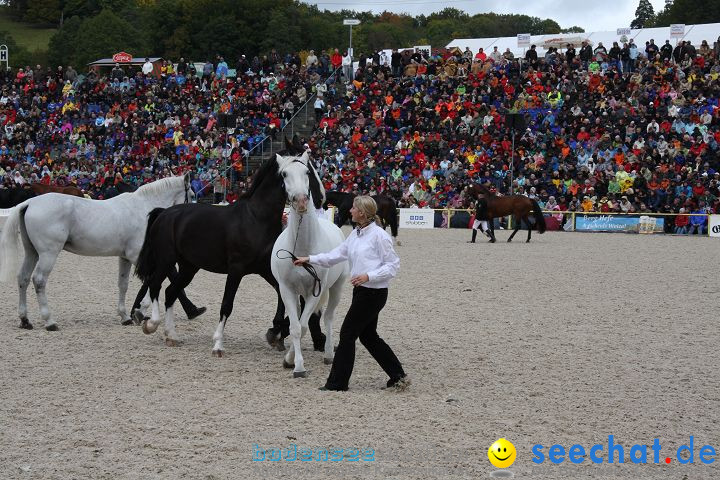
201, 29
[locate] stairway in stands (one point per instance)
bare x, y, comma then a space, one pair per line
298, 126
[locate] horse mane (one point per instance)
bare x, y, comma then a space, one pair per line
317, 191
482, 189
268, 169
162, 185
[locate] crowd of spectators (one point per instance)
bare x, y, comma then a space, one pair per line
625, 129
606, 131
96, 129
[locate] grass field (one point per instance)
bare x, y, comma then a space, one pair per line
25, 35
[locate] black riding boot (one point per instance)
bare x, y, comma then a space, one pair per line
474, 235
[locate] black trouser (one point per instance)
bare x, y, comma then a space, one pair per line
361, 322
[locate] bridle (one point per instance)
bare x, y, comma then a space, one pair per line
317, 283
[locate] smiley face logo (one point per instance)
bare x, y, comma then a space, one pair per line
502, 453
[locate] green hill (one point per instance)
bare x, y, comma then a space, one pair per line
26, 35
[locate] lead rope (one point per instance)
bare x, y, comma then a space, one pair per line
317, 284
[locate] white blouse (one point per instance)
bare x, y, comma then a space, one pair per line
370, 251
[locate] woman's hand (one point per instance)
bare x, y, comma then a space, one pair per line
359, 280
301, 260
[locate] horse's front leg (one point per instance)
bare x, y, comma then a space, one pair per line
329, 316
311, 306
123, 279
294, 357
231, 285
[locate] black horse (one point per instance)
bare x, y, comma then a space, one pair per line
11, 197
386, 209
236, 240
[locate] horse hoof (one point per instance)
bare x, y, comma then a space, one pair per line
270, 337
327, 361
127, 322
25, 323
288, 365
138, 316
197, 313
52, 328
147, 330
217, 353
300, 374
169, 342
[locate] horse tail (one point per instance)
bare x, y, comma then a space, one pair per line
9, 245
145, 266
539, 218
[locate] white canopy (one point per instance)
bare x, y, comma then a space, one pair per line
694, 33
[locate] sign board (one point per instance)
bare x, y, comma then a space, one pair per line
351, 21
714, 225
4, 55
425, 50
523, 40
612, 223
677, 30
417, 218
624, 31
122, 57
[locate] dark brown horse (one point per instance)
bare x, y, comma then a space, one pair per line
519, 206
386, 209
41, 188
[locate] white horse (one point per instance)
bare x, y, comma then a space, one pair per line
54, 222
307, 234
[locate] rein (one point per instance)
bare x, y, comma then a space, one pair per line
317, 284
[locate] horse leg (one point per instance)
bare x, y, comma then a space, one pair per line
329, 317
141, 304
318, 338
123, 278
23, 278
311, 304
527, 222
280, 328
517, 227
231, 285
154, 285
181, 280
292, 310
40, 278
492, 230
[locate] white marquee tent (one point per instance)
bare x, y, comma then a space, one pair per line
694, 33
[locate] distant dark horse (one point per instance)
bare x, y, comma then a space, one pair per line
236, 240
10, 197
41, 188
386, 209
519, 206
123, 187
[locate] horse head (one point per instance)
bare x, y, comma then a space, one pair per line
300, 179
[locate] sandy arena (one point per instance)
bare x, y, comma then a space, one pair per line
565, 340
